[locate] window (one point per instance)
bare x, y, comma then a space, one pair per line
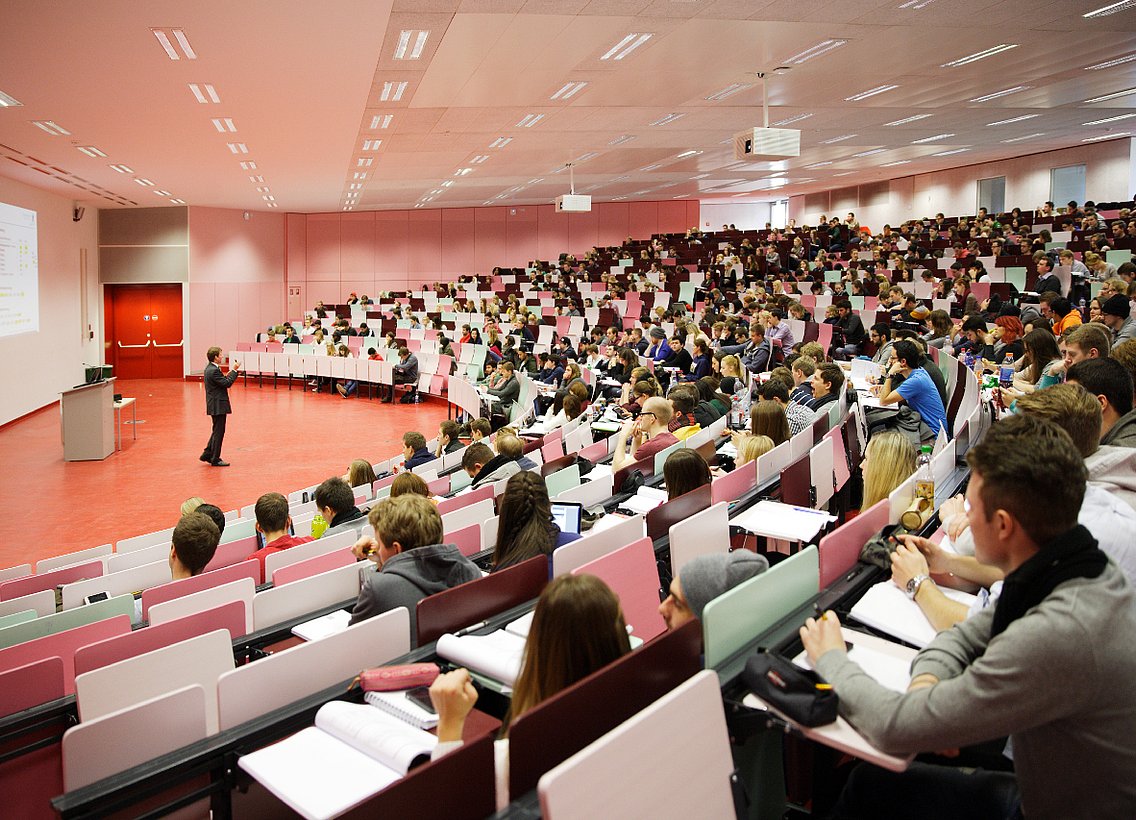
1067, 183
992, 194
779, 213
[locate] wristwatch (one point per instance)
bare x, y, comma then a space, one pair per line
914, 584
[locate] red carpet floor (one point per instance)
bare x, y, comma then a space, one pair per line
276, 440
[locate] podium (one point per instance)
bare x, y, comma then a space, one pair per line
88, 421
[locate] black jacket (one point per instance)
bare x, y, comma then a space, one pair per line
217, 390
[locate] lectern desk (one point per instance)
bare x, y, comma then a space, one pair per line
88, 421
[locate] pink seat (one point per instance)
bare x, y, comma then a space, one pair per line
232, 553
631, 573
49, 580
467, 539
733, 486
447, 505
187, 586
552, 450
30, 685
840, 549
230, 616
824, 335
594, 452
312, 566
63, 645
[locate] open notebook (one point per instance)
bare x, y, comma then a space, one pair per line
353, 752
887, 608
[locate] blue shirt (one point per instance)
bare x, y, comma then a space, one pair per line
920, 393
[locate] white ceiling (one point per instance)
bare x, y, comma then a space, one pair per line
302, 83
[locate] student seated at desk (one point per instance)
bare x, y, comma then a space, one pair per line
483, 467
917, 389
684, 471
193, 543
336, 503
360, 474
889, 460
272, 526
703, 579
577, 629
414, 450
648, 433
412, 560
1051, 664
479, 429
526, 527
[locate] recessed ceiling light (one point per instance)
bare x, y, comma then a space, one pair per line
931, 139
979, 55
145, 183
625, 46
90, 151
238, 147
906, 120
729, 91
948, 153
838, 139
256, 178
568, 90
791, 120
248, 166
667, 119
392, 92
404, 50
690, 153
818, 165
1111, 63
51, 127
914, 5
160, 193
871, 92
651, 167
870, 153
1109, 119
1113, 95
348, 207
621, 139
1022, 118
355, 186
1112, 8
268, 198
178, 201
823, 47
529, 120
461, 172
365, 162
893, 164
205, 93
436, 191
264, 189
7, 101
480, 158
1003, 93
360, 175
371, 145
1026, 137
123, 169
224, 124
448, 183
178, 46
381, 121
500, 142
593, 154
1107, 137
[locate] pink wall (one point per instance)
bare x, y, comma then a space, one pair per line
331, 255
236, 278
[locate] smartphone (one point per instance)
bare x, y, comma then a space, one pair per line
420, 696
96, 597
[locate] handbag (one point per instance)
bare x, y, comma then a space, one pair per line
799, 694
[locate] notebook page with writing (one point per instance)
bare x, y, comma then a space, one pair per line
496, 655
887, 608
376, 734
402, 707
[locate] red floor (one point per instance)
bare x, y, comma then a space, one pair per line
276, 440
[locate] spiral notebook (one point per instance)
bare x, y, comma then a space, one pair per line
402, 707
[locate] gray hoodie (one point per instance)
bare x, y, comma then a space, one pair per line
1123, 433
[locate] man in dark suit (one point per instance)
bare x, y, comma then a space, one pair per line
217, 404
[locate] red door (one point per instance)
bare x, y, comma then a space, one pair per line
144, 330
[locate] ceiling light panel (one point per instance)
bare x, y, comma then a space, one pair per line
869, 153
893, 164
410, 44
906, 120
790, 120
7, 101
178, 201
392, 92
529, 120
1109, 119
1107, 137
381, 121
729, 91
841, 138
371, 145
175, 43
624, 47
51, 127
871, 92
1005, 92
500, 142
621, 139
935, 138
1022, 118
160, 192
204, 93
948, 153
238, 147
90, 151
224, 125
364, 162
248, 166
123, 169
256, 178
915, 5
1026, 137
979, 55
823, 47
1111, 8
145, 183
667, 119
1112, 96
568, 90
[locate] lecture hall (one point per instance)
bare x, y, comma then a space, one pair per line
594, 408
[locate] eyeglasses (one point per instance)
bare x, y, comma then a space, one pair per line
652, 415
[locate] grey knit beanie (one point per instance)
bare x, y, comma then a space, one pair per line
708, 576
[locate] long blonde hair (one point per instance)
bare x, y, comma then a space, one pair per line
577, 628
891, 461
751, 447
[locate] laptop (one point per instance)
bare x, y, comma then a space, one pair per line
567, 516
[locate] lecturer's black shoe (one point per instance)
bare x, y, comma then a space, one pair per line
208, 459
220, 463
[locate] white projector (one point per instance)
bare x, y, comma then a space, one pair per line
573, 203
767, 143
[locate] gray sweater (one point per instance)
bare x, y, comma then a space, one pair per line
1061, 681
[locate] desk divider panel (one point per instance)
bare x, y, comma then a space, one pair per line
599, 703
43, 602
63, 621
21, 617
232, 553
31, 684
117, 741
301, 552
732, 486
258, 688
613, 777
840, 549
136, 558
70, 558
63, 645
704, 533
302, 597
240, 591
594, 544
28, 584
206, 580
201, 660
313, 566
731, 621
475, 601
126, 582
632, 575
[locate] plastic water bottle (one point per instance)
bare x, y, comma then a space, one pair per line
735, 413
1081, 307
319, 526
1006, 371
924, 501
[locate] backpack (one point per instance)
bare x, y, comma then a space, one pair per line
903, 420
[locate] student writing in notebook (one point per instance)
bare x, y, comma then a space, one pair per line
1051, 664
577, 628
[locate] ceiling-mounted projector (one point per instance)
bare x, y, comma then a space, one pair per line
573, 203
756, 144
